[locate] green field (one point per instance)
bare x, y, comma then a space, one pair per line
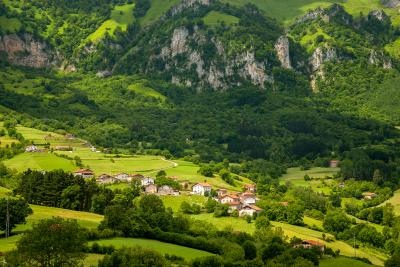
395, 201
394, 48
121, 17
342, 262
174, 202
92, 260
157, 9
142, 89
286, 11
238, 224
215, 18
39, 161
161, 247
296, 177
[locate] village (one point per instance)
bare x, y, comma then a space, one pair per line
242, 202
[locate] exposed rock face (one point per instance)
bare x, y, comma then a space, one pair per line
186, 4
103, 74
391, 3
321, 55
380, 15
335, 11
208, 70
379, 59
178, 43
282, 50
26, 51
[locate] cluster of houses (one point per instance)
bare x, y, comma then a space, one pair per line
244, 203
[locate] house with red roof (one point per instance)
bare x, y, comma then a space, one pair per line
248, 198
308, 244
226, 199
249, 187
85, 173
249, 210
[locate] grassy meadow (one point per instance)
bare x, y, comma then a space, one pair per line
120, 17
287, 11
39, 161
157, 9
342, 261
214, 18
239, 224
161, 247
395, 201
174, 202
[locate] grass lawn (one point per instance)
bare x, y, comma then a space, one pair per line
395, 201
157, 9
161, 247
85, 219
141, 89
175, 202
215, 18
342, 262
238, 224
39, 161
121, 17
394, 48
7, 244
92, 259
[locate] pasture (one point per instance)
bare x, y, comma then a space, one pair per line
120, 17
174, 202
161, 247
39, 161
287, 11
215, 18
157, 9
144, 90
342, 261
395, 201
239, 224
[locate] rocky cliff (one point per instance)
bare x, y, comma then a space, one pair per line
24, 50
282, 51
391, 3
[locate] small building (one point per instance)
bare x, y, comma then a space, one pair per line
32, 148
250, 187
284, 203
369, 195
165, 190
221, 192
236, 205
137, 176
248, 198
150, 189
201, 189
147, 180
84, 173
123, 177
334, 163
70, 136
225, 199
249, 210
308, 244
63, 148
105, 179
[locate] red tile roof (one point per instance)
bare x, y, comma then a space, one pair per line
233, 203
314, 243
255, 208
204, 184
249, 186
84, 171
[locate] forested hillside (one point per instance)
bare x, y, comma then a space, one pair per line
296, 100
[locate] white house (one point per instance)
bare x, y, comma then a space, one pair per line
84, 173
123, 177
31, 148
248, 198
147, 180
226, 199
249, 210
201, 189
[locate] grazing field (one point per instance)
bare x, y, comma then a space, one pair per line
39, 161
395, 201
322, 185
215, 18
238, 224
92, 260
394, 48
121, 17
7, 244
7, 141
161, 247
286, 11
174, 202
188, 171
342, 262
85, 219
157, 9
142, 89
